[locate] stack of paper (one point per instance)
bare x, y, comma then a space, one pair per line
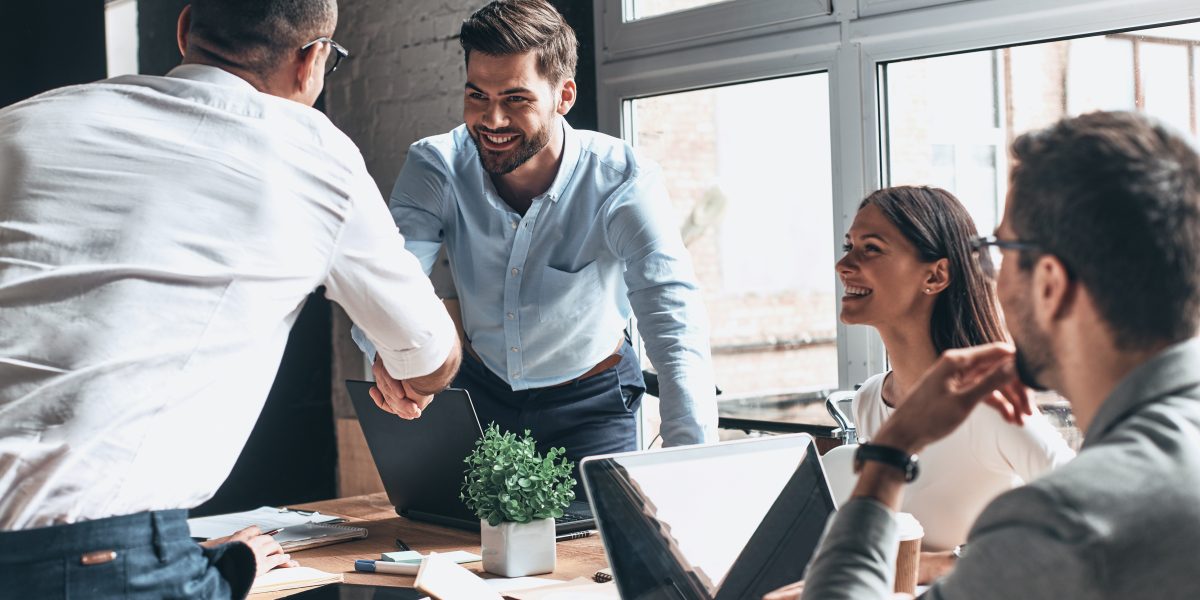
580, 588
292, 577
266, 517
443, 579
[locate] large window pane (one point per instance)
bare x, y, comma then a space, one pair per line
949, 119
120, 36
642, 9
754, 192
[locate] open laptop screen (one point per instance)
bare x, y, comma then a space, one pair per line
732, 520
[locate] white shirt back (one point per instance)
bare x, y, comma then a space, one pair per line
158, 236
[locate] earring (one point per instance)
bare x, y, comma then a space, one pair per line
928, 291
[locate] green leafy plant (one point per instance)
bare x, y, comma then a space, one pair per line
507, 480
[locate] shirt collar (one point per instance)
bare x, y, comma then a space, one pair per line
566, 168
209, 74
1175, 369
570, 160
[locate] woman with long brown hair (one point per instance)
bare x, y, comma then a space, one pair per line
909, 272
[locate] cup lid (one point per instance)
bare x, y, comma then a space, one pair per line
909, 527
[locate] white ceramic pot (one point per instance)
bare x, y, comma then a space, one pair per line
518, 549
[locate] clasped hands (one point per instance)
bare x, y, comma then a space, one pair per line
397, 396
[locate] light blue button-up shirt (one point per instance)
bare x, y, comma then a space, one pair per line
546, 296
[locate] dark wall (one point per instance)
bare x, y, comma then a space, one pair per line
579, 14
46, 44
158, 52
291, 455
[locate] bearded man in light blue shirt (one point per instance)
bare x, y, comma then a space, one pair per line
556, 237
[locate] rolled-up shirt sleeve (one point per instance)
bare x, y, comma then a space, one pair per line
666, 300
387, 294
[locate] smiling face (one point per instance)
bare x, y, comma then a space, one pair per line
884, 277
510, 109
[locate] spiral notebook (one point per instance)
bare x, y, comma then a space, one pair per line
311, 535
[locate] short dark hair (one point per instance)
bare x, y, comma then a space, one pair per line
1116, 197
507, 27
258, 35
939, 226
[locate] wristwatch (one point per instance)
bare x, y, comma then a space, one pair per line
887, 455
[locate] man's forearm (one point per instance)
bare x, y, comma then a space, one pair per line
439, 379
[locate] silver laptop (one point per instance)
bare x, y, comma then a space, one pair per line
732, 520
421, 461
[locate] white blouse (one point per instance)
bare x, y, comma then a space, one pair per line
963, 472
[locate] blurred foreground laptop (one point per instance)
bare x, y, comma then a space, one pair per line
421, 461
732, 520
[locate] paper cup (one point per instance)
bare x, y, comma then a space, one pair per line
908, 560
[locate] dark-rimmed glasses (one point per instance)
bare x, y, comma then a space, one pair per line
987, 250
336, 53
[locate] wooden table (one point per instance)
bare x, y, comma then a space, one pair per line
576, 558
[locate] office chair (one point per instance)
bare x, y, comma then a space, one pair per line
839, 470
838, 405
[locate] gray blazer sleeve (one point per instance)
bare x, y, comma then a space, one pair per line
1026, 544
856, 556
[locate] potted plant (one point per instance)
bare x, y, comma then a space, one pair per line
517, 494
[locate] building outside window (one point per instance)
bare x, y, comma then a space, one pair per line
728, 97
754, 194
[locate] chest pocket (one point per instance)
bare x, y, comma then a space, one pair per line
565, 295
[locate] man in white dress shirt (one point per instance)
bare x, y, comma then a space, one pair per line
158, 237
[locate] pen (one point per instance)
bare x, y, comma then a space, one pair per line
380, 566
272, 532
574, 535
401, 545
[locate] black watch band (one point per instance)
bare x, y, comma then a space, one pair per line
895, 457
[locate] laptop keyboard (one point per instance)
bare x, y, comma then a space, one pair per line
571, 518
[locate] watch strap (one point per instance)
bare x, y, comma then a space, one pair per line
894, 457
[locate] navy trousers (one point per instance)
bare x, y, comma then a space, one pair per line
144, 555
588, 417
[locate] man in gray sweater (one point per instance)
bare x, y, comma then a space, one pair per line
1100, 283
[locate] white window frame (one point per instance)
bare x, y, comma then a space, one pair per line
703, 48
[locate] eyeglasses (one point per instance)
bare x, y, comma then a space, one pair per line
988, 252
336, 53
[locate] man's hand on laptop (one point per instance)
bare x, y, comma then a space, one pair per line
396, 396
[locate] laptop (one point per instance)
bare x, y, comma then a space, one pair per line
421, 462
717, 522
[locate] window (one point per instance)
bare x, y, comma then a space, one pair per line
753, 191
121, 39
950, 118
918, 91
642, 9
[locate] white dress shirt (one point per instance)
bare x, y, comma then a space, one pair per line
158, 236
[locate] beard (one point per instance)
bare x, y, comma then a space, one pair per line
1028, 369
1033, 349
503, 163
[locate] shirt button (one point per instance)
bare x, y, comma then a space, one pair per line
514, 224
514, 348
516, 375
515, 271
510, 316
